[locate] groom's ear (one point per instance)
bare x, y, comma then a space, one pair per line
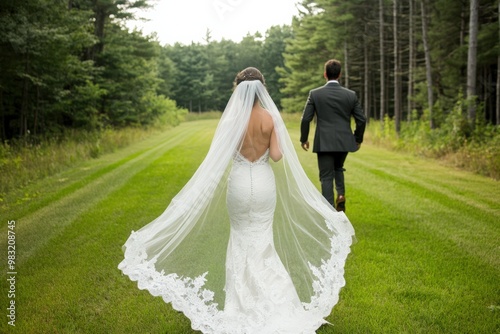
325, 76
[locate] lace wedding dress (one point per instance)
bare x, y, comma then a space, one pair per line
245, 247
260, 294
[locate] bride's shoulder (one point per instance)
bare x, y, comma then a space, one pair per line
259, 113
264, 113
267, 120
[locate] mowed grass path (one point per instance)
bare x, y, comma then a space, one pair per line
427, 257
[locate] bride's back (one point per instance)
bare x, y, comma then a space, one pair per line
258, 135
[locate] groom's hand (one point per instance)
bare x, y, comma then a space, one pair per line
305, 145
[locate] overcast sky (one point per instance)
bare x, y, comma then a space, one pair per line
187, 21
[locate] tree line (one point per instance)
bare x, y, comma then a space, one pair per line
201, 75
405, 58
74, 64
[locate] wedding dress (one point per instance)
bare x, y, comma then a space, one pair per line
246, 247
259, 291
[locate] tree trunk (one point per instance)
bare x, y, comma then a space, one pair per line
100, 21
346, 65
498, 73
463, 23
397, 72
411, 62
23, 120
382, 56
3, 135
430, 96
366, 96
35, 120
472, 59
101, 13
498, 91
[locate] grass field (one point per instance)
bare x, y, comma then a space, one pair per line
427, 257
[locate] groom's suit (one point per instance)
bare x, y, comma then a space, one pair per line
333, 106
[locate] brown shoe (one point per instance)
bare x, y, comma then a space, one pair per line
340, 203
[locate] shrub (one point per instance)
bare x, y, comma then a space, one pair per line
471, 146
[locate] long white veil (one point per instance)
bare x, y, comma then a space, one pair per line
180, 256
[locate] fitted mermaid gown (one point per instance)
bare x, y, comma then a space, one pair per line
260, 295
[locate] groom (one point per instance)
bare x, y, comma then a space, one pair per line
333, 106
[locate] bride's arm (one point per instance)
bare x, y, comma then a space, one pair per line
274, 149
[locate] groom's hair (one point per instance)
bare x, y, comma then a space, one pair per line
332, 69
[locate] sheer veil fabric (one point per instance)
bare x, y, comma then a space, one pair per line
180, 256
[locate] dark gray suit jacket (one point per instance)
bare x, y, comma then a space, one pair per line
333, 106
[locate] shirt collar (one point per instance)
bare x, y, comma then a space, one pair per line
334, 81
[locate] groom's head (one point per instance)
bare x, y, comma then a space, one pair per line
332, 69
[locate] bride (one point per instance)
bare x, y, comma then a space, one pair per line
248, 245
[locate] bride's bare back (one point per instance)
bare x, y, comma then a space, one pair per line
260, 136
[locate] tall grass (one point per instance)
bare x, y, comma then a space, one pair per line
22, 162
454, 141
197, 116
31, 158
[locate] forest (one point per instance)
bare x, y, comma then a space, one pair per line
427, 71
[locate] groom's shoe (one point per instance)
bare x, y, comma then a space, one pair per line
340, 203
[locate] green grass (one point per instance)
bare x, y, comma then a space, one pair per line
22, 163
427, 257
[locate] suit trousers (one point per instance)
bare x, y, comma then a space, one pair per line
331, 168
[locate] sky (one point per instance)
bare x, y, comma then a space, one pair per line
187, 21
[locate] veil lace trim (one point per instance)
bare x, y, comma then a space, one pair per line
189, 296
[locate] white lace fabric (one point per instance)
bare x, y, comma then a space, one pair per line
245, 247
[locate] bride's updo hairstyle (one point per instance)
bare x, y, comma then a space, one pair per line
249, 74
